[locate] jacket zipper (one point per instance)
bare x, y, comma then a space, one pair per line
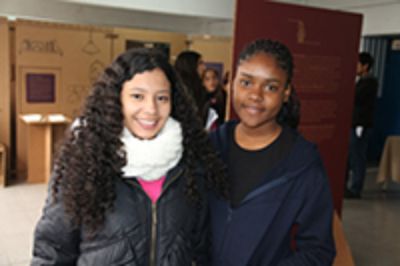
153, 234
154, 222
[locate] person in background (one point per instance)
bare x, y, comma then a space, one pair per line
363, 117
129, 186
216, 93
280, 206
190, 67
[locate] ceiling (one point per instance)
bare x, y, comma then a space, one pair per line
211, 17
343, 4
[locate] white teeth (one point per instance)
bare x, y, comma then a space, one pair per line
147, 122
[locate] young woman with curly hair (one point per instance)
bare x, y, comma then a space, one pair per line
280, 208
129, 185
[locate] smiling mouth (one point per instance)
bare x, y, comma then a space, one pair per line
147, 124
253, 109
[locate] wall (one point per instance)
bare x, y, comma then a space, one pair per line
214, 49
75, 55
380, 19
207, 8
177, 41
5, 108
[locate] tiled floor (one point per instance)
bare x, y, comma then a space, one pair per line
371, 224
20, 208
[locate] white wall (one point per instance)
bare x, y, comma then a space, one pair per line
380, 17
68, 12
222, 9
380, 20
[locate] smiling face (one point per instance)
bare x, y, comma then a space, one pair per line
146, 103
259, 90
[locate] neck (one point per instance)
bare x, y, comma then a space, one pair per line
256, 138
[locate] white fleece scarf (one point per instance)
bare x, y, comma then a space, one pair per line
151, 159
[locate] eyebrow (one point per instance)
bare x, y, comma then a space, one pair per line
252, 76
145, 90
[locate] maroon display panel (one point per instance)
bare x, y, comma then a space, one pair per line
325, 46
40, 88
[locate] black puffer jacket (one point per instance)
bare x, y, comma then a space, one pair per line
172, 232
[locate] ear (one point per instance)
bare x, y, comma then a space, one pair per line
287, 92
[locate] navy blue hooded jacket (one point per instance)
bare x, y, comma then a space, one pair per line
296, 202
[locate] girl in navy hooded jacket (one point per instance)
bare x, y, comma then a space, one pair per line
280, 208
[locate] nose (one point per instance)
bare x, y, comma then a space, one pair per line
256, 94
150, 106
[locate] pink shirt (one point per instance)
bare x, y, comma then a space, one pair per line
153, 189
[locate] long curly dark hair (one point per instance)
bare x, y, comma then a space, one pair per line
90, 159
290, 112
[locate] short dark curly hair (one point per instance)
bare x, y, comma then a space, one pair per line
290, 112
90, 159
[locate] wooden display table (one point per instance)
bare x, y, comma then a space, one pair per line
40, 144
389, 165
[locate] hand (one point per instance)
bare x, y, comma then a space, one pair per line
359, 131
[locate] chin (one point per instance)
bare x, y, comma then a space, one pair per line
251, 124
149, 136
145, 135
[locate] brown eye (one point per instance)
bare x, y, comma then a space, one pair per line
271, 88
137, 96
163, 98
245, 83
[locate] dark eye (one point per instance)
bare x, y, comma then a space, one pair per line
163, 98
137, 96
271, 88
244, 83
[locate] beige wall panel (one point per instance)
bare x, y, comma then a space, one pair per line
177, 41
4, 83
75, 55
5, 90
215, 49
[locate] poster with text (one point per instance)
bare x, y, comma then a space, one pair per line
324, 44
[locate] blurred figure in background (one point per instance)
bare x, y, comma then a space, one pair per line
190, 67
363, 116
215, 92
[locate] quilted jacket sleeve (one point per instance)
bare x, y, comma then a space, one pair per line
55, 241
